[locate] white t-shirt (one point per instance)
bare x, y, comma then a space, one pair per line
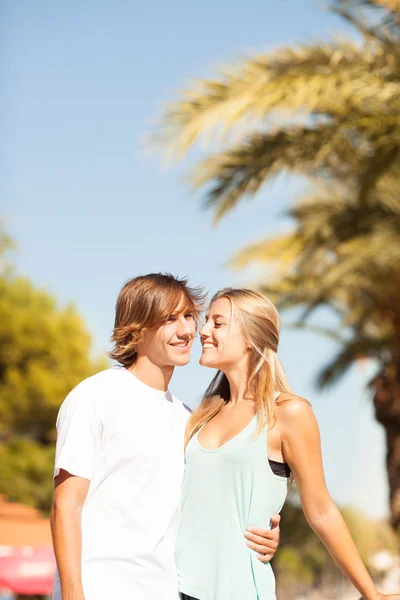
127, 439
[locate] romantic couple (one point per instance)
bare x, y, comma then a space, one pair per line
154, 503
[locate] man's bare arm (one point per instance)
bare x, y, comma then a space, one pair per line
69, 495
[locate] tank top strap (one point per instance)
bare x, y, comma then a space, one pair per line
200, 428
255, 421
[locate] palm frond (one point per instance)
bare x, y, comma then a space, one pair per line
391, 5
329, 78
336, 335
355, 350
283, 248
325, 151
386, 29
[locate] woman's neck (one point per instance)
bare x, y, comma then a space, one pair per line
238, 380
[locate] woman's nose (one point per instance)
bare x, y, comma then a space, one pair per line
203, 331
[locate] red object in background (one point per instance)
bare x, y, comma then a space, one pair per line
27, 570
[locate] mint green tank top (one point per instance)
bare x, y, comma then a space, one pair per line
225, 491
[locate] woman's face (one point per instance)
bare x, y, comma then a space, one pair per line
223, 344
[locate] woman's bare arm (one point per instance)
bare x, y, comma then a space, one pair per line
69, 495
302, 449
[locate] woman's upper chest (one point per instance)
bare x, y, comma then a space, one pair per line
229, 423
225, 426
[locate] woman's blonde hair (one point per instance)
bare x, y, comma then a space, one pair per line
259, 323
145, 302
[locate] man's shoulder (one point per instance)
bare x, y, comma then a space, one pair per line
90, 395
95, 387
97, 381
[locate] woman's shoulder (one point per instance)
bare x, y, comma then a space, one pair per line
291, 406
297, 421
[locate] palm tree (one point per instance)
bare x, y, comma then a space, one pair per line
338, 108
357, 274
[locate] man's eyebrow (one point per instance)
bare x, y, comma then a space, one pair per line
177, 313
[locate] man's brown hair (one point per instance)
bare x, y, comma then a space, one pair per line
146, 302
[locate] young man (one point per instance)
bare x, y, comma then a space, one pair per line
119, 457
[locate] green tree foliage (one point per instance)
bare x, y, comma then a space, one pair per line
329, 112
44, 353
26, 472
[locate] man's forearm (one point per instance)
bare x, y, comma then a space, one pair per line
67, 540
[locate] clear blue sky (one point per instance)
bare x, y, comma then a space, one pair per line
81, 83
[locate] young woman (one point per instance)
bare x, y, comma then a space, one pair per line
247, 439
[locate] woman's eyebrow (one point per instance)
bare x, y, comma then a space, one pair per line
219, 317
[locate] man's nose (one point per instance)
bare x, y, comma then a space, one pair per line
185, 327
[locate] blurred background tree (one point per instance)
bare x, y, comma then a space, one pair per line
303, 562
44, 353
329, 112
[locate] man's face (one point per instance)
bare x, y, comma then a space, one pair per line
170, 344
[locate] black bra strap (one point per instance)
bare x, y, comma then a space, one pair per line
279, 468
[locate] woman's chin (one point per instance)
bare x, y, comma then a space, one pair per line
206, 362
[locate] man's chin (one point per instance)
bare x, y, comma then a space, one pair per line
180, 361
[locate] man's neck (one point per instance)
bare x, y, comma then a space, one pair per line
151, 374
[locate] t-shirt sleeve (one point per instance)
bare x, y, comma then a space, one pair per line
78, 434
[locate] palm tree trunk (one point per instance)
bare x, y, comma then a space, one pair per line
393, 469
387, 411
